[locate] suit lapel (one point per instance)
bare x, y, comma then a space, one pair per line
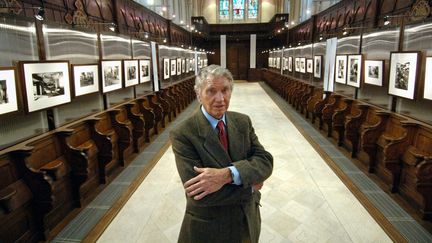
211, 141
235, 139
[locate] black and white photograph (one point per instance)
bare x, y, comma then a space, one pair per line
130, 68
341, 68
199, 62
205, 62
112, 73
303, 64
290, 64
403, 74
46, 84
297, 64
202, 63
86, 78
183, 65
8, 91
144, 71
373, 72
188, 65
166, 68
278, 62
192, 64
427, 94
354, 70
317, 66
179, 66
270, 62
173, 64
309, 65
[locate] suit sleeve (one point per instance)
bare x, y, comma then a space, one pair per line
186, 158
258, 165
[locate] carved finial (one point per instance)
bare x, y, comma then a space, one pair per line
420, 10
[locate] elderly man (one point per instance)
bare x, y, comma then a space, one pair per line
222, 165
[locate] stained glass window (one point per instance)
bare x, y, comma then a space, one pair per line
238, 9
224, 9
252, 9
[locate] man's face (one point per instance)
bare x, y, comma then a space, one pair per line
215, 96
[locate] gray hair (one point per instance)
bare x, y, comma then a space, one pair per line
211, 72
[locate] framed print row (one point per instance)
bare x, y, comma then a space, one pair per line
178, 66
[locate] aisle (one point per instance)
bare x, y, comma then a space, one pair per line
303, 201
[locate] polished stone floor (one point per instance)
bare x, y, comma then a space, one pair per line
303, 201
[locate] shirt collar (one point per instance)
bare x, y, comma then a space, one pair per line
213, 121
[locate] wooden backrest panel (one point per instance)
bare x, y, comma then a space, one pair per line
44, 150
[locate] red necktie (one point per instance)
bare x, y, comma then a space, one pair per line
222, 135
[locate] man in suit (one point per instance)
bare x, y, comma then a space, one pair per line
222, 165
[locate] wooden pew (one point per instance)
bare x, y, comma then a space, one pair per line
123, 127
328, 111
416, 177
16, 208
138, 125
339, 118
158, 112
48, 175
391, 144
149, 118
353, 122
370, 130
82, 153
106, 140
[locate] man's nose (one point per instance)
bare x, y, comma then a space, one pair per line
219, 96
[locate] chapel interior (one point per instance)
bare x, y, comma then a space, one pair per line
338, 91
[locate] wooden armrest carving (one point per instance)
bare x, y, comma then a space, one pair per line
389, 139
5, 199
424, 170
52, 168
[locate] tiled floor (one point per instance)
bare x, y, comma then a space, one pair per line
303, 201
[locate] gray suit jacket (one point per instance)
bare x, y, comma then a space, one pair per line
218, 217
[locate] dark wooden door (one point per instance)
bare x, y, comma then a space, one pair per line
238, 60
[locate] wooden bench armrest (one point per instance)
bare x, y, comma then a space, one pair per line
389, 139
5, 198
52, 168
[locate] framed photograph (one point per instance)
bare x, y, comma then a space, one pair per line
202, 63
85, 79
270, 62
317, 66
111, 75
46, 84
290, 64
188, 65
191, 65
303, 64
403, 73
297, 64
173, 64
183, 65
199, 62
130, 68
205, 62
278, 62
373, 72
144, 71
179, 66
427, 94
8, 90
354, 70
341, 67
166, 68
309, 65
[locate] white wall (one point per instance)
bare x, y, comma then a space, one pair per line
210, 10
268, 10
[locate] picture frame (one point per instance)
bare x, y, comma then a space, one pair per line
290, 63
112, 74
373, 72
179, 66
173, 67
205, 62
85, 78
278, 66
199, 62
303, 64
270, 62
166, 68
183, 65
341, 69
46, 84
8, 90
145, 69
427, 93
403, 74
188, 65
355, 64
309, 65
297, 64
202, 63
317, 66
131, 72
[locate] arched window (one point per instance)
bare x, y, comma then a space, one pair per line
238, 10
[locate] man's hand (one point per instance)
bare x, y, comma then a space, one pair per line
207, 181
